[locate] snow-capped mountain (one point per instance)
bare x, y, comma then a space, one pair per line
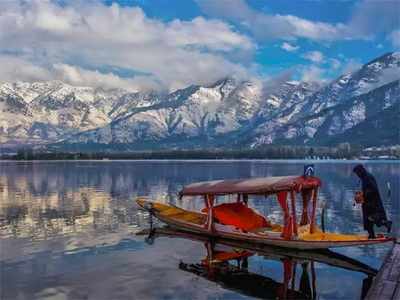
338, 123
372, 75
228, 113
45, 112
192, 112
339, 106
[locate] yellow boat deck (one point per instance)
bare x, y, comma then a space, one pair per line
174, 212
305, 235
197, 218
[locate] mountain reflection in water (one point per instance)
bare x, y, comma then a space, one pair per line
68, 230
67, 212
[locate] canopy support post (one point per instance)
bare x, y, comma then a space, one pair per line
287, 220
306, 196
245, 198
314, 208
293, 202
209, 199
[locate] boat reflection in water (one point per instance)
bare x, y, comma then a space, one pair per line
227, 264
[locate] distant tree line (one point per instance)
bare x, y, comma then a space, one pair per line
376, 152
267, 152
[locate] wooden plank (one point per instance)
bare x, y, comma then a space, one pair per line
388, 290
386, 285
394, 274
383, 290
397, 292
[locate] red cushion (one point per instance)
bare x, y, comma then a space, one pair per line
239, 215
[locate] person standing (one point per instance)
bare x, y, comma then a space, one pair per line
372, 207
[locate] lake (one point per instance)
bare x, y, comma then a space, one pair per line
68, 230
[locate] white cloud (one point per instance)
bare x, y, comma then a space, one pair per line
369, 18
213, 34
267, 26
313, 74
173, 54
314, 30
351, 65
335, 63
273, 84
78, 76
395, 38
289, 47
14, 69
17, 69
314, 56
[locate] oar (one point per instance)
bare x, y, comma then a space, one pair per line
323, 206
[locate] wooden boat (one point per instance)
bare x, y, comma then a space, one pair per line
324, 256
238, 222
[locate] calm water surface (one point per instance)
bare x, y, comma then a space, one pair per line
68, 231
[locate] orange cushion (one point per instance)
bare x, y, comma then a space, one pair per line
238, 215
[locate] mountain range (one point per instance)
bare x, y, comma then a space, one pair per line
362, 108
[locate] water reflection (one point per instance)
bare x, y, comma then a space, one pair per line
26, 215
60, 222
227, 264
39, 200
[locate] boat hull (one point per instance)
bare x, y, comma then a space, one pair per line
295, 244
276, 253
260, 240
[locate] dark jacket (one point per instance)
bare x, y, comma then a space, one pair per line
373, 210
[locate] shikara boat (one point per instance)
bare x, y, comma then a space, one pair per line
237, 221
324, 256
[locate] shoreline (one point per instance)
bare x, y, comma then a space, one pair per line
278, 160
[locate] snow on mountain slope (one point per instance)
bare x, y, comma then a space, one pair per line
289, 125
190, 112
372, 75
228, 112
226, 107
45, 112
29, 91
281, 108
379, 129
324, 126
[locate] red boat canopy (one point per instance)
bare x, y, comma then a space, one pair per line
260, 186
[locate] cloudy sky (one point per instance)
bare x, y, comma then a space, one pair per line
169, 44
